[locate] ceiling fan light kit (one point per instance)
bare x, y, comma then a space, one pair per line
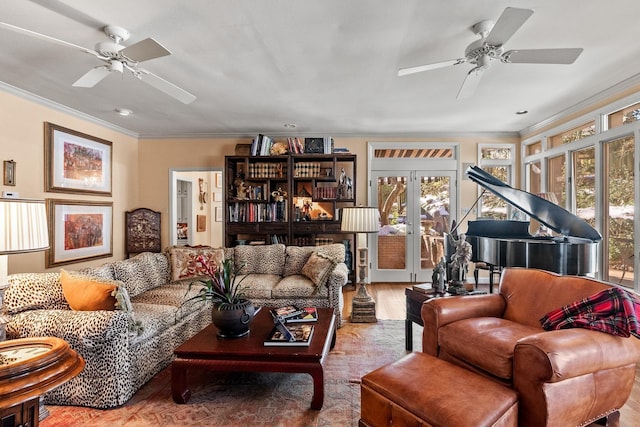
489, 48
117, 58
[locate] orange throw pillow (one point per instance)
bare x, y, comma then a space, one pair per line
86, 293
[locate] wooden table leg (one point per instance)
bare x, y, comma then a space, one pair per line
318, 388
179, 390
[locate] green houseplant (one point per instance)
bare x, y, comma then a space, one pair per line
232, 313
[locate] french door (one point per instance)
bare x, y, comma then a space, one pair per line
415, 211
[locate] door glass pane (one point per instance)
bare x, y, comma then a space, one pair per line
434, 218
491, 206
557, 172
392, 204
619, 211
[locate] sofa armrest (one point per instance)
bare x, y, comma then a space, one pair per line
553, 356
338, 278
83, 330
438, 312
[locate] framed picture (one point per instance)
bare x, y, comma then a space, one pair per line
218, 179
201, 223
218, 214
78, 231
76, 162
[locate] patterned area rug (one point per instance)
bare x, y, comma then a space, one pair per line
258, 399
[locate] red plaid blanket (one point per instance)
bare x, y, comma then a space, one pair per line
613, 311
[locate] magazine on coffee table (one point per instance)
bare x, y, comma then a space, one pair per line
309, 314
293, 314
298, 335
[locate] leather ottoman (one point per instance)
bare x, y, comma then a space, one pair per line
421, 390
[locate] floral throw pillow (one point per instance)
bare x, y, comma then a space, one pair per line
184, 265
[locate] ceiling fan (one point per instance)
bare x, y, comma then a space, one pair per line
489, 48
117, 58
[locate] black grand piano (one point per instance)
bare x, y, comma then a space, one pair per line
509, 244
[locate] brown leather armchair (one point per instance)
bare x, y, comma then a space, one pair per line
568, 377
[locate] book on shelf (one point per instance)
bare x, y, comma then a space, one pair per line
298, 335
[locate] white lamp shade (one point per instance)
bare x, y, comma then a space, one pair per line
360, 219
24, 226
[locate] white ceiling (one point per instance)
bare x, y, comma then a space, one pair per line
329, 66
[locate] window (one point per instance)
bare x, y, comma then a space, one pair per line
624, 116
571, 135
497, 160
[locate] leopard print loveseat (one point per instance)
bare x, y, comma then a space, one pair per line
123, 349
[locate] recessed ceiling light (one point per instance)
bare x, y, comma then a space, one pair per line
290, 125
520, 112
123, 111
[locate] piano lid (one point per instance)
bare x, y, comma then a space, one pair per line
553, 216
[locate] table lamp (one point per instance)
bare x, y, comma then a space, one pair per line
24, 229
361, 220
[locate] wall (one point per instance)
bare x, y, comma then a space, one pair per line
22, 140
158, 156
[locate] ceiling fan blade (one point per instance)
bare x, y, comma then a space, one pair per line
48, 38
509, 22
145, 50
165, 86
65, 10
542, 56
421, 68
471, 82
93, 77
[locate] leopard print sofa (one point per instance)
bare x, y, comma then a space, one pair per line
125, 349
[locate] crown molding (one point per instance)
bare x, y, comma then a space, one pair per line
63, 108
624, 85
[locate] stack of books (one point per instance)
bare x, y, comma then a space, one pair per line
293, 326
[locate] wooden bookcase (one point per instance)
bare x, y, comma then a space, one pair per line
317, 187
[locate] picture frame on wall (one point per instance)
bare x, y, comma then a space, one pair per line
76, 162
201, 223
78, 231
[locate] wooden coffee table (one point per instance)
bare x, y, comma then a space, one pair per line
249, 354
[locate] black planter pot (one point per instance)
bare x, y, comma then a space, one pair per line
233, 320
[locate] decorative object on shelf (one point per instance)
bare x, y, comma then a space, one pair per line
241, 187
348, 256
9, 172
279, 149
231, 313
345, 186
142, 231
79, 231
76, 162
362, 219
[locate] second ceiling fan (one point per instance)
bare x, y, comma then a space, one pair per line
489, 48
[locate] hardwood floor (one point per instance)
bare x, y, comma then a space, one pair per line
390, 304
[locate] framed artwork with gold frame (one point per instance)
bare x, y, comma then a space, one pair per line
76, 162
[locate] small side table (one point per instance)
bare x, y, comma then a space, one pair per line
414, 306
29, 367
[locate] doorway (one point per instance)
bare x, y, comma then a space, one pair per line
414, 189
195, 207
